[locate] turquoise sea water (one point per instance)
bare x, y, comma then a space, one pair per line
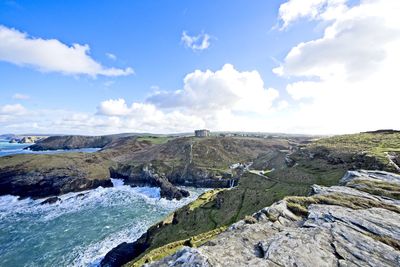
7, 148
81, 228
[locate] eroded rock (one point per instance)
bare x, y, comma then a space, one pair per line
364, 234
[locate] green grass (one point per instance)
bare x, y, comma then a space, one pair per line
373, 144
155, 140
169, 249
379, 188
90, 165
220, 208
254, 192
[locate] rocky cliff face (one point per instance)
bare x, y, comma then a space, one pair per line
355, 224
48, 175
145, 175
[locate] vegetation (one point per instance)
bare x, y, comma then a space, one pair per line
322, 162
171, 248
299, 205
186, 159
155, 140
379, 188
217, 209
88, 165
373, 144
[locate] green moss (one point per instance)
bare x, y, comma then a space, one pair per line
204, 198
171, 248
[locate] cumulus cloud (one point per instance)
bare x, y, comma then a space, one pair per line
20, 96
51, 55
147, 117
346, 80
227, 88
196, 42
224, 99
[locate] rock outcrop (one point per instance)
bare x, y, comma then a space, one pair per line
39, 185
347, 225
39, 176
147, 176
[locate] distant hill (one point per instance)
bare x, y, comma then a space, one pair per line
76, 141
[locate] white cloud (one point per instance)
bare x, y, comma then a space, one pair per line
51, 55
111, 56
21, 96
10, 113
347, 80
196, 42
293, 10
222, 100
16, 109
283, 104
113, 107
227, 88
226, 99
344, 81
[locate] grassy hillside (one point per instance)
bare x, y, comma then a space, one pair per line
376, 145
90, 165
322, 162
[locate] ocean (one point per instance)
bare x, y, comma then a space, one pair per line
81, 228
7, 148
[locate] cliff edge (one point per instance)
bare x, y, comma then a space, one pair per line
354, 224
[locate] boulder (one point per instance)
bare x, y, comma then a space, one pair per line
50, 200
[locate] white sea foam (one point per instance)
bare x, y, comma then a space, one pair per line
92, 254
110, 215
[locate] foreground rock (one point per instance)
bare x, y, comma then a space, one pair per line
346, 225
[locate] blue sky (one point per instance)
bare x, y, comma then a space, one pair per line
145, 40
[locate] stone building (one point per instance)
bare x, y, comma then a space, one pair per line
201, 133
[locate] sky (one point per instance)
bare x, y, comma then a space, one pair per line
296, 66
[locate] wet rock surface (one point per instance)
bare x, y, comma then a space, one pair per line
340, 233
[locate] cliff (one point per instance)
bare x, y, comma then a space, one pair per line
40, 176
274, 174
354, 224
152, 161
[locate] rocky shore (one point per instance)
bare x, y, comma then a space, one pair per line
354, 224
139, 161
268, 170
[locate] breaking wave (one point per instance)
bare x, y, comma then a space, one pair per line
80, 228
